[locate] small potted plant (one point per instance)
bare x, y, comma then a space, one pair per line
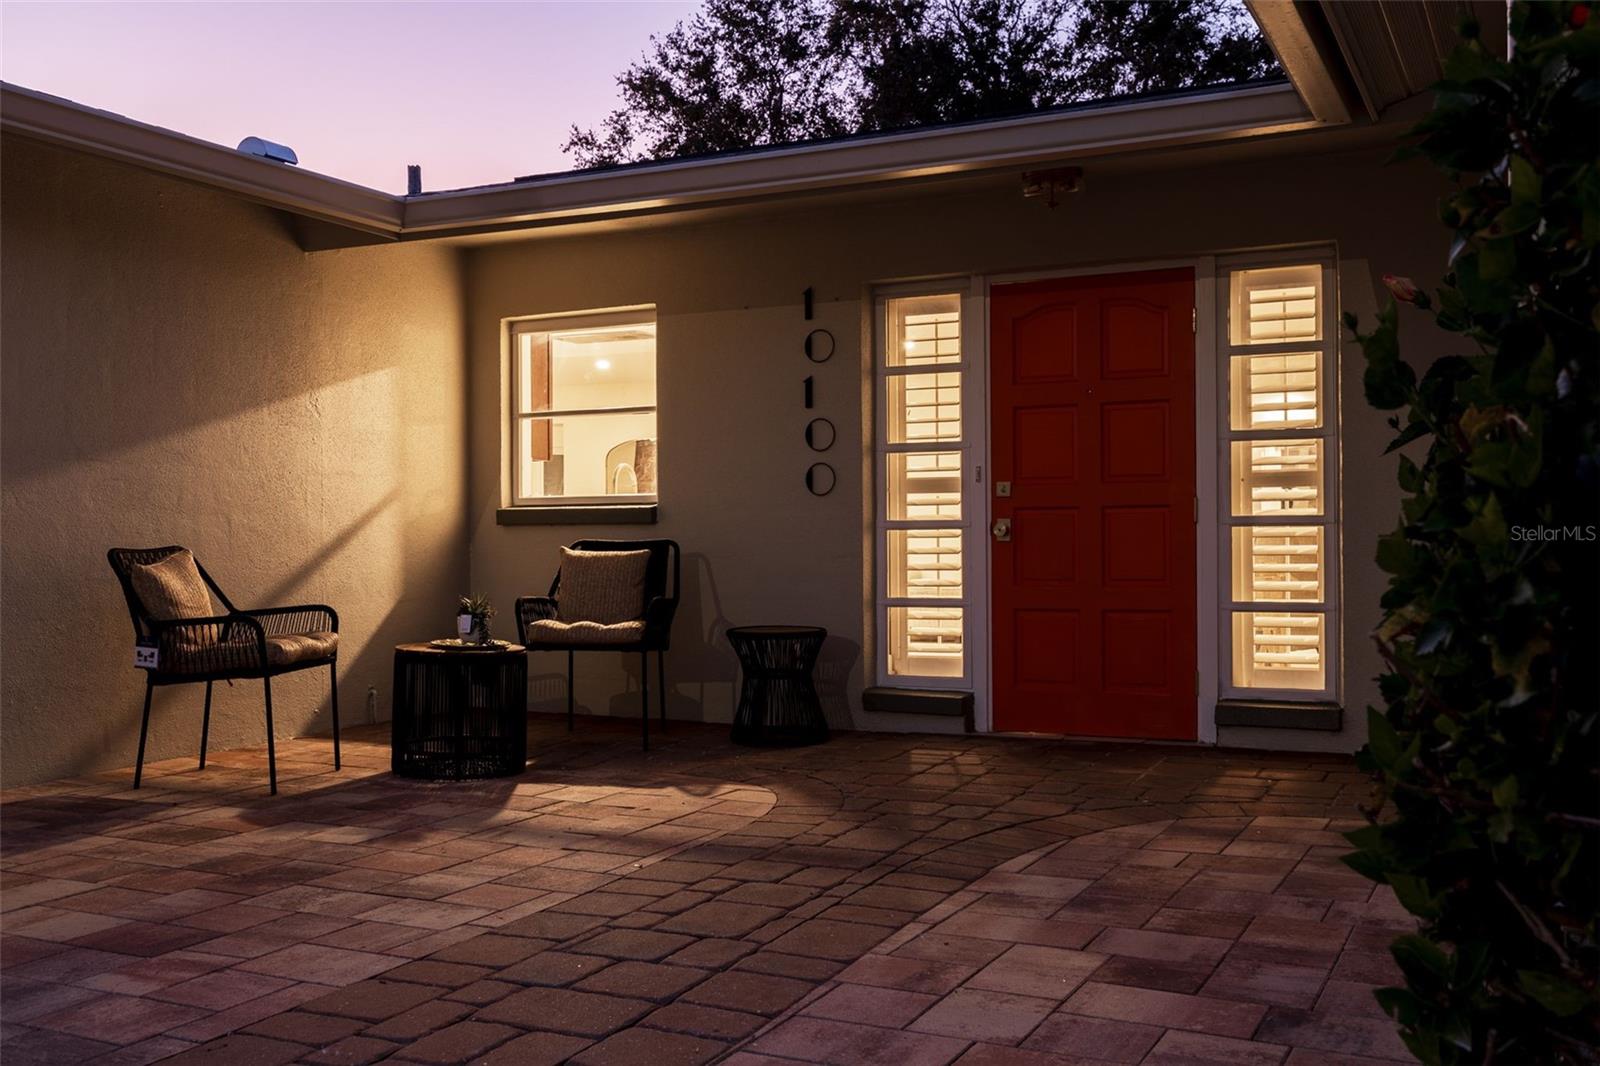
472, 619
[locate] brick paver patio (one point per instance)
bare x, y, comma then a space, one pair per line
879, 899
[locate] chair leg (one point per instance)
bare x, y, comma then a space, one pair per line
661, 685
205, 727
333, 689
272, 744
144, 729
569, 692
644, 695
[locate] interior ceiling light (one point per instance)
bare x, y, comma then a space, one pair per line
602, 364
1050, 185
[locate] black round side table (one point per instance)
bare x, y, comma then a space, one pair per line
778, 703
459, 714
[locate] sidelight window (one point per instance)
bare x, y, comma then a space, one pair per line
1279, 450
924, 522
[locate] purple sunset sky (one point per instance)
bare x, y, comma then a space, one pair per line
475, 92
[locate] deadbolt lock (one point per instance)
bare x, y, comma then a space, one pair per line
1002, 529
1002, 488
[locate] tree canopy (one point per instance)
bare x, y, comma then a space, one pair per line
742, 73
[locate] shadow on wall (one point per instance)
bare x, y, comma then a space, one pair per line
177, 370
834, 667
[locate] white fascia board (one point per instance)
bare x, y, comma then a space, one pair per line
1304, 56
768, 173
112, 136
740, 178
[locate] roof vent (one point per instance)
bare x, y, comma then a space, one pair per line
280, 153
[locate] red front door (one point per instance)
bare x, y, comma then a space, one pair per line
1092, 387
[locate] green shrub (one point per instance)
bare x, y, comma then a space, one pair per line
1488, 747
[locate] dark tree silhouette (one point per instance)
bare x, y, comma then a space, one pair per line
741, 73
1128, 46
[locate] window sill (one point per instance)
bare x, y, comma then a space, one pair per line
597, 515
942, 703
1280, 714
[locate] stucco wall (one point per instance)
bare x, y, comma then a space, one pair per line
176, 370
758, 548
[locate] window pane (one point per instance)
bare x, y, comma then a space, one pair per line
1277, 563
924, 407
1277, 477
925, 641
923, 330
1278, 650
1276, 305
924, 485
925, 563
587, 455
1276, 391
589, 369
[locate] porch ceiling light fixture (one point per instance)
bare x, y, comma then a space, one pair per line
1050, 185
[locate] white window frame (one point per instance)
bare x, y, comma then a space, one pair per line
1328, 432
563, 323
973, 523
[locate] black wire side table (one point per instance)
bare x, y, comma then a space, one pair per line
459, 715
778, 704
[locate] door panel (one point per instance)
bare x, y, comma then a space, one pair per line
1092, 424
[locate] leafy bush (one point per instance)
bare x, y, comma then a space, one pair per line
1488, 748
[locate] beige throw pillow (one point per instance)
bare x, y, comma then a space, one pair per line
172, 588
604, 587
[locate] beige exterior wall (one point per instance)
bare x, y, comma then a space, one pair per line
757, 547
176, 370
327, 426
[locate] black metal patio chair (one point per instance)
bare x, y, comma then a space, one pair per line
208, 646
542, 624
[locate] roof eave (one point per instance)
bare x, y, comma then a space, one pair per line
358, 215
1297, 33
900, 157
103, 133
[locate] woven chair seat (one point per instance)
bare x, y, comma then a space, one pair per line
550, 631
240, 652
301, 647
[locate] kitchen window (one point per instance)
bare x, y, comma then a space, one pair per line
583, 410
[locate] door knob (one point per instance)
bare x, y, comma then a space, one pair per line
1002, 529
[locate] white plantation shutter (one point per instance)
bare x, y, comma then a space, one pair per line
1280, 651
929, 563
1277, 391
933, 639
1282, 442
1276, 305
922, 522
932, 335
1273, 563
929, 406
1279, 314
1277, 477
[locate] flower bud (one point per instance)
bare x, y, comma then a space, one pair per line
1403, 289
